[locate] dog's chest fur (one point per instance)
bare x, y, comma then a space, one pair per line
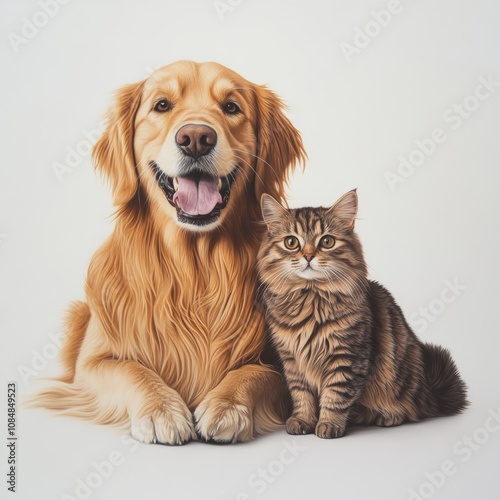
191, 311
206, 334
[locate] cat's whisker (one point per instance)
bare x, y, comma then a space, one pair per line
345, 277
277, 279
281, 282
358, 282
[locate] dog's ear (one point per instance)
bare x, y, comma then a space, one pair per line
279, 146
113, 153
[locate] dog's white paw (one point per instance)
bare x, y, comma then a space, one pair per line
223, 421
167, 424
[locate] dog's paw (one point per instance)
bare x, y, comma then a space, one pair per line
169, 423
223, 421
327, 430
297, 426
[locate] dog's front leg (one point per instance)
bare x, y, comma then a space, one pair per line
125, 389
248, 401
121, 390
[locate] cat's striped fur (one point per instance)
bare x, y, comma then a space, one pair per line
348, 354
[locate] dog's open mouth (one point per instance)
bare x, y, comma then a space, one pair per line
198, 197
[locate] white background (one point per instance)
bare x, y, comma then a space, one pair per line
356, 117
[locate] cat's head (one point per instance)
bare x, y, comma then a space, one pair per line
311, 245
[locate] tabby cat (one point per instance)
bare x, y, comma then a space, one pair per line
348, 354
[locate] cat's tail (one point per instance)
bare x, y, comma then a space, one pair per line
448, 390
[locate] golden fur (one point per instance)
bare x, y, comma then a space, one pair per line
170, 326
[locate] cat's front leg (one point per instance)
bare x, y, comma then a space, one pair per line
333, 418
340, 390
304, 413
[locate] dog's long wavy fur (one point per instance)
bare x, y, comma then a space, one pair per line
178, 303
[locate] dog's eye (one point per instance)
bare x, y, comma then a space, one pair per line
292, 243
231, 108
327, 241
162, 106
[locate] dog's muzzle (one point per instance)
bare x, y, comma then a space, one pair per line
197, 196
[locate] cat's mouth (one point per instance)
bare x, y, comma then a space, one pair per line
198, 197
310, 273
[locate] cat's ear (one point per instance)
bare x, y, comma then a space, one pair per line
345, 210
272, 211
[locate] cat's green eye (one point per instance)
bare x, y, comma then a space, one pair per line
292, 243
327, 241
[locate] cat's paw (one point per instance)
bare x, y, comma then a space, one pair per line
297, 426
327, 430
169, 423
223, 421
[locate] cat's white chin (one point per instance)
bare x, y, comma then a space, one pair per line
309, 274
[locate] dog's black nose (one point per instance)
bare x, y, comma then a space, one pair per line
196, 140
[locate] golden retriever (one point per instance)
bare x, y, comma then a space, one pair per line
171, 328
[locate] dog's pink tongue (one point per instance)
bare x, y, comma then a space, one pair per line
197, 197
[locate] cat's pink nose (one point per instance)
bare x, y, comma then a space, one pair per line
309, 252
309, 256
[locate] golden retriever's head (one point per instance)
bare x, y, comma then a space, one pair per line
199, 141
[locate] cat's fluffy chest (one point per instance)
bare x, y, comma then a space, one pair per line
309, 302
307, 314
